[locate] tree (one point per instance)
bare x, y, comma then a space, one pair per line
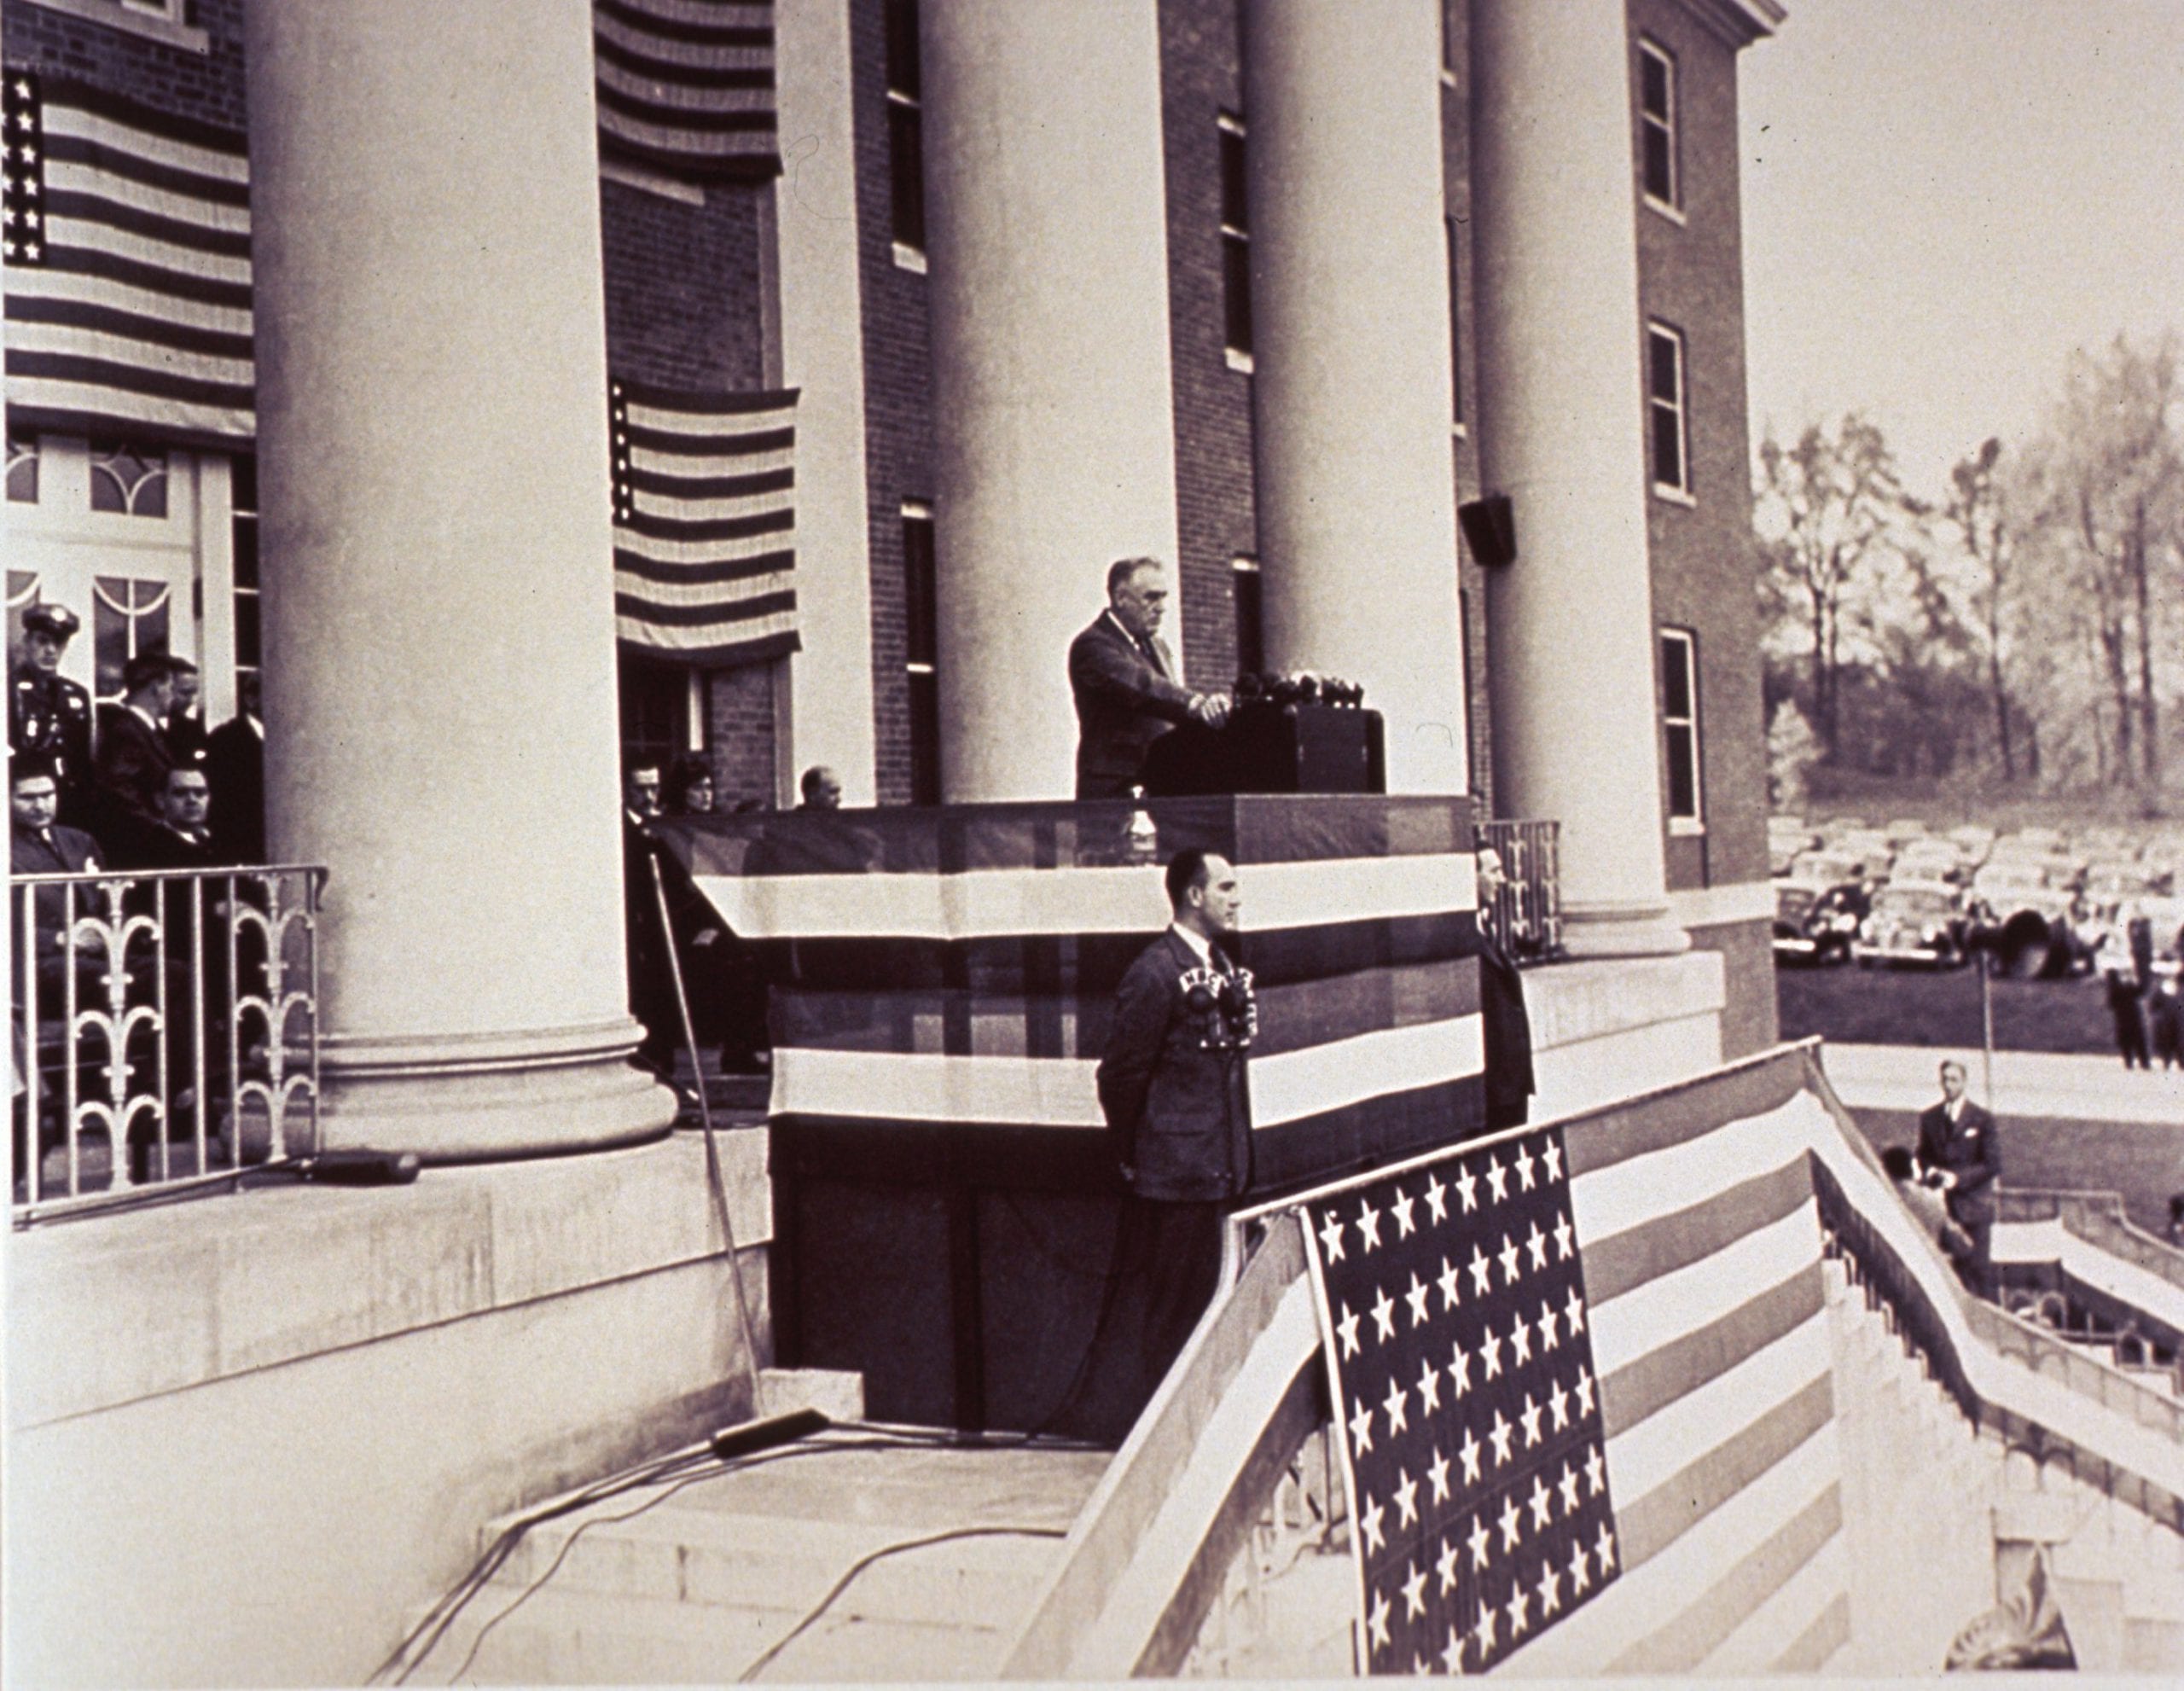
2102, 498
1979, 512
1826, 509
1792, 749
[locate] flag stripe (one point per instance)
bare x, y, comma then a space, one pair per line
96, 260
109, 212
217, 380
1650, 1453
706, 648
1628, 1259
1798, 1604
1688, 1110
1695, 1361
699, 69
713, 616
223, 207
1817, 1645
1655, 1521
736, 591
685, 488
1706, 1624
60, 409
108, 320
686, 90
672, 560
701, 26
82, 106
670, 409
658, 119
1632, 1325
134, 302
640, 523
96, 373
1601, 1631
90, 158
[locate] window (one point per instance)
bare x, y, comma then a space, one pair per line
1657, 120
242, 527
22, 469
1665, 409
169, 21
129, 618
1235, 243
906, 133
922, 651
1448, 47
127, 480
1455, 323
655, 710
1680, 727
1251, 616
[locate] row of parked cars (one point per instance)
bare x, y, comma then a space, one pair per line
2039, 901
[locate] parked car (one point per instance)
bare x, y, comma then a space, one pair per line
1933, 859
2031, 926
1816, 919
1914, 922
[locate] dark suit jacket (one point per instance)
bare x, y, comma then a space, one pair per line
1509, 1036
68, 852
1179, 1115
1123, 703
1967, 1148
133, 761
235, 769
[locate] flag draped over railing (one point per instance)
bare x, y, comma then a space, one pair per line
127, 241
686, 87
705, 518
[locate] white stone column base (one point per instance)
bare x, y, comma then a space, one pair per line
1633, 929
461, 1098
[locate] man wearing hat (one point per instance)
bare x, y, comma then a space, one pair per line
49, 716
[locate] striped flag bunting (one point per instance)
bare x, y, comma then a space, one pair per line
686, 87
1621, 1460
127, 243
1453, 1300
705, 518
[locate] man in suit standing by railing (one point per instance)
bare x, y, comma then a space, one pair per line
1958, 1157
1505, 1024
1125, 679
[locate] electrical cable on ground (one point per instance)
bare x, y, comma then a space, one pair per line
858, 1567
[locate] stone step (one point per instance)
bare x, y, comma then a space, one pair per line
574, 1638
2151, 1645
771, 1564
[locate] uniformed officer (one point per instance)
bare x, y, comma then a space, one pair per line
49, 716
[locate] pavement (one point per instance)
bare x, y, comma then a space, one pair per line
2026, 1083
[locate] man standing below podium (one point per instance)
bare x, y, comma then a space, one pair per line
1128, 688
1172, 1089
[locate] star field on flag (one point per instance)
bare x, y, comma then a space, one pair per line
1452, 1311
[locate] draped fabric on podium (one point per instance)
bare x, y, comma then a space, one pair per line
705, 520
686, 87
128, 280
1591, 1354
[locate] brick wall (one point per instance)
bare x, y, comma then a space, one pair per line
208, 86
1691, 277
898, 399
739, 733
1201, 77
683, 287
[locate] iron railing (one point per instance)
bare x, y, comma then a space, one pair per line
164, 1030
1526, 919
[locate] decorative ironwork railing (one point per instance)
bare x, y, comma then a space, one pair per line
1526, 918
164, 1030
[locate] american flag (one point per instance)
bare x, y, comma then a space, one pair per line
686, 87
127, 241
1452, 1299
705, 519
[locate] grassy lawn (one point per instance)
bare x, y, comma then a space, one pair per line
1852, 1006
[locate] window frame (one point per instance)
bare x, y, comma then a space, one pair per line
1248, 607
1668, 123
161, 21
1235, 244
921, 654
1685, 641
904, 77
1683, 490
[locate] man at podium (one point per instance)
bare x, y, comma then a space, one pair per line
1128, 689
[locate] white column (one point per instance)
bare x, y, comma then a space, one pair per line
1351, 401
1053, 419
438, 595
1561, 432
822, 354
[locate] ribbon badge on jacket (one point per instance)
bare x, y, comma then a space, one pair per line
1227, 1012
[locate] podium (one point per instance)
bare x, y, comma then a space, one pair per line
945, 1196
1272, 748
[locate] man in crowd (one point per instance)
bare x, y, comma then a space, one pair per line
1172, 1087
234, 764
49, 716
133, 754
39, 845
1958, 1159
1124, 679
181, 840
1508, 1026
821, 788
186, 734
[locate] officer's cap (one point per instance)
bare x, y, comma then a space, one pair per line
57, 620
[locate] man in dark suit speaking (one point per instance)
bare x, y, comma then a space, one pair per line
1128, 688
1172, 1089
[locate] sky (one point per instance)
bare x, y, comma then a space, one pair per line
1944, 198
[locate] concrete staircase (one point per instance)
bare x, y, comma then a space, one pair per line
2118, 1575
695, 1582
